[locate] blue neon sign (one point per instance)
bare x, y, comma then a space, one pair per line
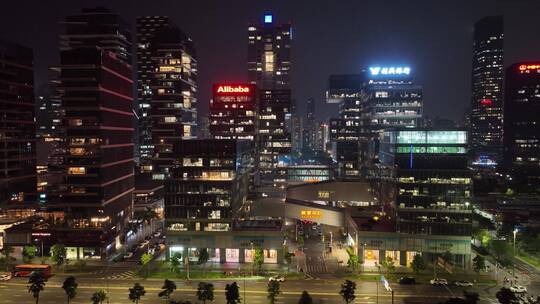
389, 71
268, 18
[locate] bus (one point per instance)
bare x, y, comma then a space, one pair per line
25, 270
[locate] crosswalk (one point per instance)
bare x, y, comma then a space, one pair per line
316, 266
126, 275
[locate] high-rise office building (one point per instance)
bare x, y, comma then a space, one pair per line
487, 91
95, 89
173, 108
274, 138
346, 131
522, 124
233, 110
208, 185
269, 64
147, 27
392, 100
17, 117
434, 185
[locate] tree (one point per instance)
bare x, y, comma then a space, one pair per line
483, 236
145, 260
98, 297
205, 292
506, 296
29, 252
287, 257
36, 283
347, 291
58, 254
479, 264
258, 259
273, 291
305, 298
203, 256
353, 261
7, 251
168, 288
471, 297
136, 293
388, 264
176, 261
232, 293
418, 263
70, 287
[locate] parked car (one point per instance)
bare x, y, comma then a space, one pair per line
438, 281
407, 281
128, 255
277, 278
5, 277
463, 283
518, 289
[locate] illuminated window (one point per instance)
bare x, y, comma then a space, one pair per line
187, 130
170, 119
268, 61
77, 170
77, 151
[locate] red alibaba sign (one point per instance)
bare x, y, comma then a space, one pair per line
229, 89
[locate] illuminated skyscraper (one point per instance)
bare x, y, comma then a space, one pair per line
147, 27
173, 109
487, 91
269, 63
233, 111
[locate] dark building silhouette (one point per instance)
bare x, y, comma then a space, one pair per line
522, 124
18, 127
487, 91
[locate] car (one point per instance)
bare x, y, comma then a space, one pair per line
128, 255
438, 281
277, 278
157, 234
407, 281
144, 243
5, 277
518, 289
463, 283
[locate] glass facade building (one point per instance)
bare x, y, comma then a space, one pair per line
487, 91
434, 185
522, 124
233, 112
17, 118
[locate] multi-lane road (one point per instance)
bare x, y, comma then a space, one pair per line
323, 291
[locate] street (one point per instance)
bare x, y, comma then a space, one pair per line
322, 291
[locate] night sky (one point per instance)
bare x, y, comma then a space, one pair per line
329, 37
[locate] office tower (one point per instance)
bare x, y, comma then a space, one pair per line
392, 100
50, 136
269, 64
296, 133
233, 111
208, 186
147, 27
95, 88
173, 108
322, 136
309, 126
522, 124
17, 117
434, 186
97, 27
487, 94
269, 54
274, 138
346, 131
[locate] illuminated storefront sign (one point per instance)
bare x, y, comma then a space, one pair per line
40, 234
486, 102
231, 89
400, 70
526, 68
311, 214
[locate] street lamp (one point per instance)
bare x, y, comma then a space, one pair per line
514, 262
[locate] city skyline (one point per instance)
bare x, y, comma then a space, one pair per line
425, 38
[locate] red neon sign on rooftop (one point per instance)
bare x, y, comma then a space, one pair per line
523, 68
226, 89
